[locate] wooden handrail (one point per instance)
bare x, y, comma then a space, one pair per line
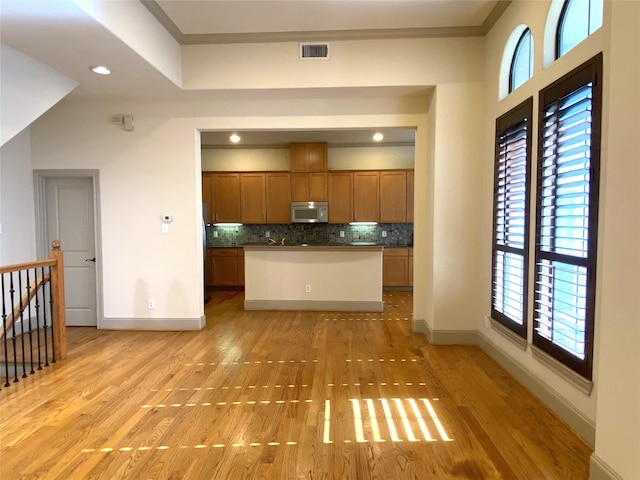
26, 266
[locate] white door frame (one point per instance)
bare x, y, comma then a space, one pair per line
42, 249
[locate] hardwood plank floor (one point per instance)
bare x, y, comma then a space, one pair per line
280, 395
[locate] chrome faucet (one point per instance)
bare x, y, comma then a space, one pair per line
272, 241
283, 240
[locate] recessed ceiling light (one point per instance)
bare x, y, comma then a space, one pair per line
235, 138
378, 137
100, 70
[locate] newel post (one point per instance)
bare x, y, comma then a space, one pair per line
57, 295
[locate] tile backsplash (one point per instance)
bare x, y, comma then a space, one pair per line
397, 234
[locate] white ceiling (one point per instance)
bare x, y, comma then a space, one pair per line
61, 35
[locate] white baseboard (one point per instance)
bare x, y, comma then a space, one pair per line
153, 324
314, 305
599, 470
582, 425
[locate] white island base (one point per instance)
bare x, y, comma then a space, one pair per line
336, 278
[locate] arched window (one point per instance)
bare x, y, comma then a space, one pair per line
522, 62
578, 20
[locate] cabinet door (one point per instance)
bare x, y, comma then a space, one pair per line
366, 203
226, 190
395, 267
308, 157
278, 197
208, 268
340, 197
410, 202
225, 271
393, 196
253, 198
299, 187
410, 279
317, 157
299, 162
317, 187
240, 259
207, 198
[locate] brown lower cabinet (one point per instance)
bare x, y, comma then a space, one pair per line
397, 267
226, 268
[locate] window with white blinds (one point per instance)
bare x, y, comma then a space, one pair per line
511, 218
566, 216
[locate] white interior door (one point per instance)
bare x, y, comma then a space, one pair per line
70, 219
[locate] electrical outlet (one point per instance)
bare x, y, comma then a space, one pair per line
215, 234
151, 304
307, 288
341, 233
267, 234
384, 234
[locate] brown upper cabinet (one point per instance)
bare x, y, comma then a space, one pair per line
253, 198
308, 157
340, 197
278, 197
410, 190
384, 196
366, 196
226, 192
393, 196
208, 207
309, 187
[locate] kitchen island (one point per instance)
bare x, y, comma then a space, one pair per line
313, 277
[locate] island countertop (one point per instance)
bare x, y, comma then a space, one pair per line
314, 277
315, 247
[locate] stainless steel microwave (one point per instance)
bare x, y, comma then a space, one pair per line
309, 212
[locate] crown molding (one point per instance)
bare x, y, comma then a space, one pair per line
325, 35
331, 35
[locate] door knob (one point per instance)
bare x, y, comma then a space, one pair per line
90, 259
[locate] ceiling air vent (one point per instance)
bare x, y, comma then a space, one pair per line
314, 51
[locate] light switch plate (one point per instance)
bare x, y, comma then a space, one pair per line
165, 228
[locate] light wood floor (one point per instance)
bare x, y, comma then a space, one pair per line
280, 395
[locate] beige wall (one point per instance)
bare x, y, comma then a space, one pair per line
245, 159
353, 64
618, 412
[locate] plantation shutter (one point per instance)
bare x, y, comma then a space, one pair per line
566, 224
511, 206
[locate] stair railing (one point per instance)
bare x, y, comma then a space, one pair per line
33, 327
